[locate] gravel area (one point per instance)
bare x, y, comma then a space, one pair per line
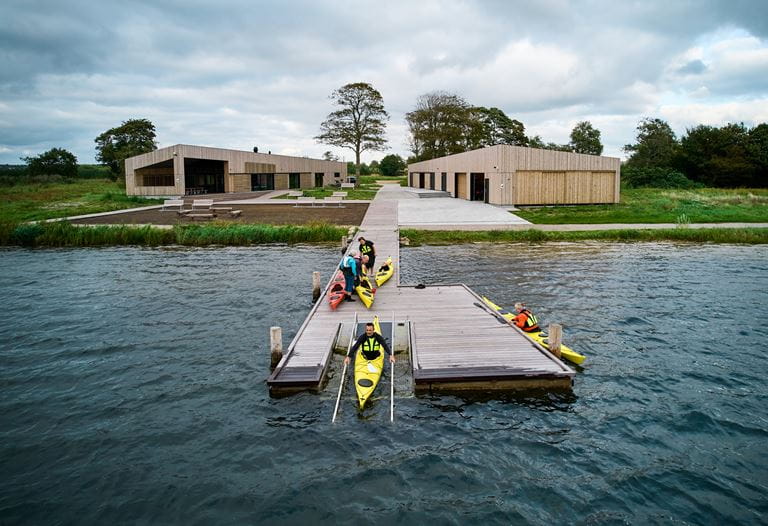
282, 214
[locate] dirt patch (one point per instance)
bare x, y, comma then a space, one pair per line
287, 214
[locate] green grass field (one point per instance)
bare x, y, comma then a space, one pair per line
650, 205
36, 201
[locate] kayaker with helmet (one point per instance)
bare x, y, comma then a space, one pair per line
372, 343
525, 319
367, 249
349, 266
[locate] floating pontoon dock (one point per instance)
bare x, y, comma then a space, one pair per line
456, 343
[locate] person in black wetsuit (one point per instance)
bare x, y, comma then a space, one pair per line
372, 343
367, 249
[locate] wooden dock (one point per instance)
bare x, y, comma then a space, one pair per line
456, 343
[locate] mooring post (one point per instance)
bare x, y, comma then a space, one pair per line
555, 338
275, 345
343, 244
315, 286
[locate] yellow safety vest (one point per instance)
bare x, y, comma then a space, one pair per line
371, 347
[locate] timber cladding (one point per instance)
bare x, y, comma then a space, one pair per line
259, 168
526, 176
549, 187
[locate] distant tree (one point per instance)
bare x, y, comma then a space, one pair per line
585, 139
392, 165
374, 167
718, 156
498, 128
758, 154
132, 137
330, 156
56, 161
557, 147
361, 169
536, 142
656, 145
360, 122
442, 124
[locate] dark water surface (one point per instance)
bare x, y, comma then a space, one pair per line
133, 392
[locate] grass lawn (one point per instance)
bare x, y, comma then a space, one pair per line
651, 205
35, 201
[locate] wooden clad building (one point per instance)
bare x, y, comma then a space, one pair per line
183, 169
515, 175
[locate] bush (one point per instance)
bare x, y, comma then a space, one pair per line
637, 177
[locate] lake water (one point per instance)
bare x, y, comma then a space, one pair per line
133, 392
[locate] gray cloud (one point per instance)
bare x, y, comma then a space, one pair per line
234, 74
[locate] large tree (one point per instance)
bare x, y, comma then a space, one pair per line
718, 156
758, 154
392, 165
56, 161
656, 145
359, 123
585, 138
132, 137
498, 128
442, 124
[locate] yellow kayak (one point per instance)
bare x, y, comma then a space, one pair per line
539, 337
365, 292
385, 272
368, 372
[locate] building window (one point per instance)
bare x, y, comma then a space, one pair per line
294, 180
157, 180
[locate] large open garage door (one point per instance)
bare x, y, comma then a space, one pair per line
203, 176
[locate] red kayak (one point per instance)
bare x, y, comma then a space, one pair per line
336, 292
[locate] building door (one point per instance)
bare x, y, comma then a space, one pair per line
319, 180
487, 189
421, 180
294, 180
477, 187
443, 181
432, 181
461, 186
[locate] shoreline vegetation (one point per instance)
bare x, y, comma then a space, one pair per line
64, 234
750, 236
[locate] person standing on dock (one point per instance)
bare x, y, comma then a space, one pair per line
525, 319
372, 343
367, 249
349, 268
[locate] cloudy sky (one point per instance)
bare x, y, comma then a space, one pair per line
238, 74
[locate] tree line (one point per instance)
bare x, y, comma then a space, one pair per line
443, 123
728, 156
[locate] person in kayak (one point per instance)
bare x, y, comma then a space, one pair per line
349, 267
525, 319
372, 343
367, 249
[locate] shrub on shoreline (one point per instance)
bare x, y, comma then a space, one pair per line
64, 234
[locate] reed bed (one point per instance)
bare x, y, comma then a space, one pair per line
751, 236
63, 234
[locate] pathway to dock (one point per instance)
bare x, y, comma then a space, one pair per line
456, 343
